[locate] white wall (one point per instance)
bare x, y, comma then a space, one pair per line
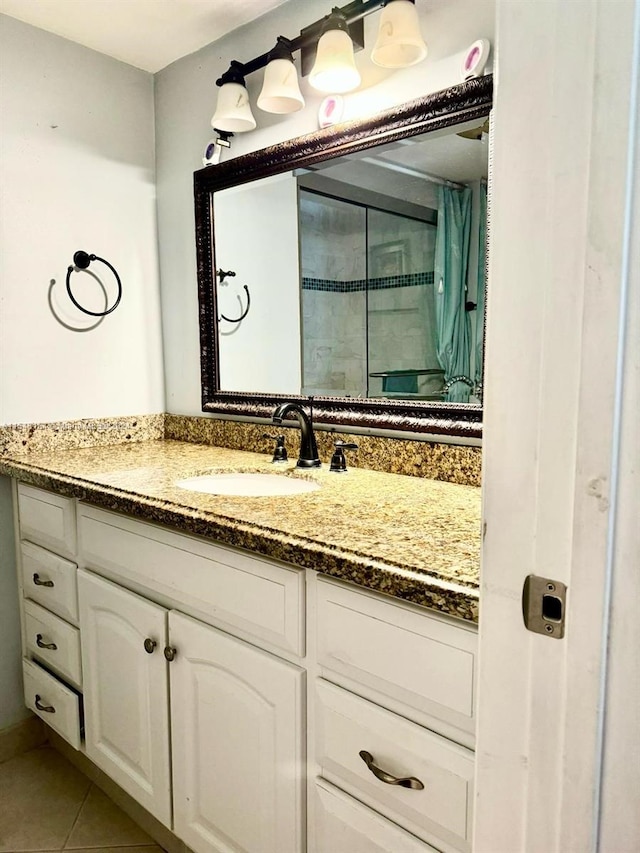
185, 101
77, 171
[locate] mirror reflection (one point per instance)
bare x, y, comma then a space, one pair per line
368, 318
364, 276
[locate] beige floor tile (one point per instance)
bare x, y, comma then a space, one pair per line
153, 848
40, 797
102, 824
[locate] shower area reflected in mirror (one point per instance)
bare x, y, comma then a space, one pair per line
368, 305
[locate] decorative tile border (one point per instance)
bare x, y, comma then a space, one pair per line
361, 284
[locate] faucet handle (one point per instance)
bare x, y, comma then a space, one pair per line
280, 451
338, 461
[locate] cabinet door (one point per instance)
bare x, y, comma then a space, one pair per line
126, 691
236, 742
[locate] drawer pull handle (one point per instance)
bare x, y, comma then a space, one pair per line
149, 645
170, 653
38, 582
406, 782
42, 645
48, 708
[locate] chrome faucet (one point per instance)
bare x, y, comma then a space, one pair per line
308, 457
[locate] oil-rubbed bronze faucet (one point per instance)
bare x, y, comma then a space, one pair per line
308, 457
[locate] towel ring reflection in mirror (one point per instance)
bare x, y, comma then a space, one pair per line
222, 274
81, 261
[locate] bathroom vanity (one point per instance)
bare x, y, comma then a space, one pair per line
247, 701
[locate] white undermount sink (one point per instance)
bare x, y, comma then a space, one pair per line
248, 485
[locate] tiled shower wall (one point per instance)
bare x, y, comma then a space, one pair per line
393, 311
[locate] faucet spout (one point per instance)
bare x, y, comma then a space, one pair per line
308, 457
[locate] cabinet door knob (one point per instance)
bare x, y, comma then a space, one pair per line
38, 582
42, 645
149, 645
170, 653
387, 778
48, 708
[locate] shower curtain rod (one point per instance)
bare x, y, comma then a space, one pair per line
413, 173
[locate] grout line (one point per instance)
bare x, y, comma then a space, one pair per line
73, 826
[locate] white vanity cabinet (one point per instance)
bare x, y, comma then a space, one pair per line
235, 722
236, 715
235, 710
250, 706
393, 720
48, 520
343, 825
51, 667
126, 691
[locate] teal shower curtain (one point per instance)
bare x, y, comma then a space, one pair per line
482, 261
450, 282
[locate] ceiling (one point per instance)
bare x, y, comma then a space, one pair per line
149, 34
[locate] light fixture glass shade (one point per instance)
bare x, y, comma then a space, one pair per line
334, 70
233, 110
400, 41
280, 90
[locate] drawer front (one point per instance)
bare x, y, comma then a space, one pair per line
439, 811
343, 825
226, 588
56, 704
47, 519
416, 659
50, 580
54, 642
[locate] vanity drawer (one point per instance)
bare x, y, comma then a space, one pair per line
47, 519
56, 704
50, 580
43, 629
412, 658
343, 825
256, 599
347, 725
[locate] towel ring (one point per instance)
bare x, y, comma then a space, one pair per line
222, 274
81, 261
244, 313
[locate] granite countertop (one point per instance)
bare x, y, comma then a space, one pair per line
410, 537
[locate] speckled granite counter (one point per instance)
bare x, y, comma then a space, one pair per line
414, 538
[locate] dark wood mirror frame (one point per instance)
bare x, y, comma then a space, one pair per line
459, 104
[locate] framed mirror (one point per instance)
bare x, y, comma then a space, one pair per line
349, 265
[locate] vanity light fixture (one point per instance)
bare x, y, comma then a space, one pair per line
334, 71
233, 111
399, 43
326, 55
280, 90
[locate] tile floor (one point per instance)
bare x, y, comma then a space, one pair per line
47, 805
